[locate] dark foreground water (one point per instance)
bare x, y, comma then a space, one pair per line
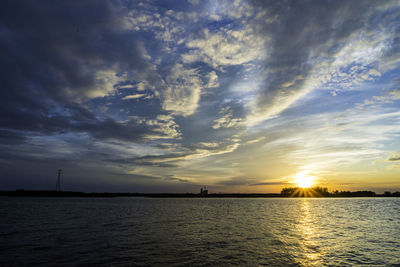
182, 232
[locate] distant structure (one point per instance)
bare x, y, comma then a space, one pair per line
58, 183
203, 191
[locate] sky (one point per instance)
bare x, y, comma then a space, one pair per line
171, 96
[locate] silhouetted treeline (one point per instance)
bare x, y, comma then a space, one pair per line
389, 194
318, 191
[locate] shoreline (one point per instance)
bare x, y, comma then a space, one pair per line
52, 193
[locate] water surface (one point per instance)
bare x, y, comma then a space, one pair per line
203, 231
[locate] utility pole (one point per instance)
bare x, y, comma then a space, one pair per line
58, 184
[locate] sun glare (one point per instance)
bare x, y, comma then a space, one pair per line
304, 181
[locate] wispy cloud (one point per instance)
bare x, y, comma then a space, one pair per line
136, 96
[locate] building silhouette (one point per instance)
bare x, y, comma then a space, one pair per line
203, 191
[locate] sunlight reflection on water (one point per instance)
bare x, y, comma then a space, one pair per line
306, 227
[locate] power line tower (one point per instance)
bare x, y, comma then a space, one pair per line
58, 184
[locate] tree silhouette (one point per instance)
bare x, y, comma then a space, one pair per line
316, 191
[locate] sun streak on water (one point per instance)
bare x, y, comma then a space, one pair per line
306, 227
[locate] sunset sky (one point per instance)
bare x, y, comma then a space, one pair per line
170, 96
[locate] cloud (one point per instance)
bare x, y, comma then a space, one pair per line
183, 91
61, 56
270, 183
387, 97
331, 143
164, 127
242, 181
136, 96
11, 137
225, 47
236, 181
165, 24
177, 179
188, 152
310, 43
194, 2
227, 120
212, 80
394, 157
183, 88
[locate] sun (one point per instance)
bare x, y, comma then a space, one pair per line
303, 180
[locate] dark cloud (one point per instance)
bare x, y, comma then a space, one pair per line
395, 158
271, 183
51, 55
160, 160
176, 179
142, 161
110, 129
11, 137
234, 182
239, 181
105, 128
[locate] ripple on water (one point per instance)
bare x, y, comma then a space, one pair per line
201, 232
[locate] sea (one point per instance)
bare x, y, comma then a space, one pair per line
199, 231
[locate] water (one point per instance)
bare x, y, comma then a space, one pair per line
207, 231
